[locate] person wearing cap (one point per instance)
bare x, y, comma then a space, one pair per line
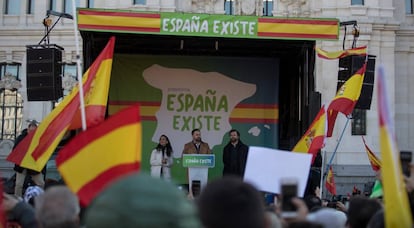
21, 172
31, 193
139, 200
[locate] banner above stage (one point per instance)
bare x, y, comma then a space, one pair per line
207, 25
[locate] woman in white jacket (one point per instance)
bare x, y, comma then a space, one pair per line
161, 159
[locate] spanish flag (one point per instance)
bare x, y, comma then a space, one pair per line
102, 154
346, 98
362, 51
96, 97
35, 149
373, 159
330, 182
396, 205
314, 138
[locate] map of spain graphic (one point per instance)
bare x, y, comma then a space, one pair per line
193, 99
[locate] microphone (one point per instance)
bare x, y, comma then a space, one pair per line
345, 23
59, 14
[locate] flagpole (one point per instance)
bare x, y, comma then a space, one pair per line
336, 149
322, 176
78, 64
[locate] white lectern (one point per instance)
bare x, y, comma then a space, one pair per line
198, 165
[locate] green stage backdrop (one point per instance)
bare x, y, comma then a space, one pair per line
214, 94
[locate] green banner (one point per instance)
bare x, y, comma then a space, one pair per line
208, 25
216, 94
199, 160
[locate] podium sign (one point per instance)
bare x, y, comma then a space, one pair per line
198, 165
199, 160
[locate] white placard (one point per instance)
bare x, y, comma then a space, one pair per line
266, 167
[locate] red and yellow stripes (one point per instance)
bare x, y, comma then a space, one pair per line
373, 159
119, 21
396, 203
361, 51
298, 28
255, 113
330, 182
140, 22
100, 155
242, 113
314, 138
349, 93
346, 98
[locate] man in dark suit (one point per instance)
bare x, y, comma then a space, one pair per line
235, 155
196, 146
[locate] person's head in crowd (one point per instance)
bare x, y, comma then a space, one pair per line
229, 202
32, 125
361, 210
313, 202
31, 193
303, 224
377, 220
58, 207
139, 200
328, 218
356, 191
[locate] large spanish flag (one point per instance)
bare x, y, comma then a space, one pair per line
373, 159
346, 98
314, 138
34, 150
102, 154
397, 208
362, 51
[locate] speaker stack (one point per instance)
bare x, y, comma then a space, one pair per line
348, 66
44, 69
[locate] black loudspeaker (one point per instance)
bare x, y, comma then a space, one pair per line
44, 69
348, 66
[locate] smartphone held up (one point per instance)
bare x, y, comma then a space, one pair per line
288, 191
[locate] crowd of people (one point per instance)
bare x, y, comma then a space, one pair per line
142, 200
139, 200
